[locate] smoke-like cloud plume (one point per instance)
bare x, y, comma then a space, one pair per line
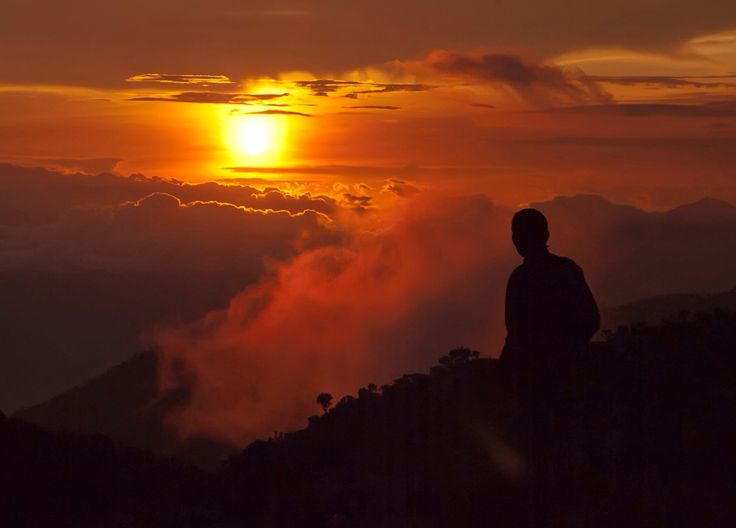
334, 319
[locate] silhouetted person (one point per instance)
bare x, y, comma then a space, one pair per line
550, 312
550, 317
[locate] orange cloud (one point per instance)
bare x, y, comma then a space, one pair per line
338, 318
211, 98
172, 78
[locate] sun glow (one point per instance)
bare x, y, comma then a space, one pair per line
254, 136
255, 139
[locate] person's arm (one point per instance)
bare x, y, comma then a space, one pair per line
511, 345
586, 316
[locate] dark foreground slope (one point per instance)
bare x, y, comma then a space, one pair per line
53, 479
646, 441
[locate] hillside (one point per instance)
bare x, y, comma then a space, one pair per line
83, 322
646, 440
88, 481
125, 403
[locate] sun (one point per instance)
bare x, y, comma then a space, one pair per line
254, 135
255, 139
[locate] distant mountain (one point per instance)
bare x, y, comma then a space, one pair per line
669, 307
704, 210
125, 404
62, 326
631, 254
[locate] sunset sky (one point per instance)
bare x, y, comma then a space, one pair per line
525, 100
331, 183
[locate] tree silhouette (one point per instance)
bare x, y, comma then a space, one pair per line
459, 356
324, 400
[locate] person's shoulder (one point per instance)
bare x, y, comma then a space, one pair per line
567, 264
517, 272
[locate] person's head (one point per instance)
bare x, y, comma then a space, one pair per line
530, 232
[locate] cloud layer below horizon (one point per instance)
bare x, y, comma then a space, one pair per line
337, 290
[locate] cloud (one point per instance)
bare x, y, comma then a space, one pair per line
90, 264
535, 83
173, 78
357, 200
397, 295
240, 111
374, 107
211, 97
399, 188
35, 196
85, 165
335, 319
348, 170
664, 80
323, 87
709, 109
390, 88
159, 230
279, 112
352, 89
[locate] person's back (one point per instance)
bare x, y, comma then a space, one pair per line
550, 312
